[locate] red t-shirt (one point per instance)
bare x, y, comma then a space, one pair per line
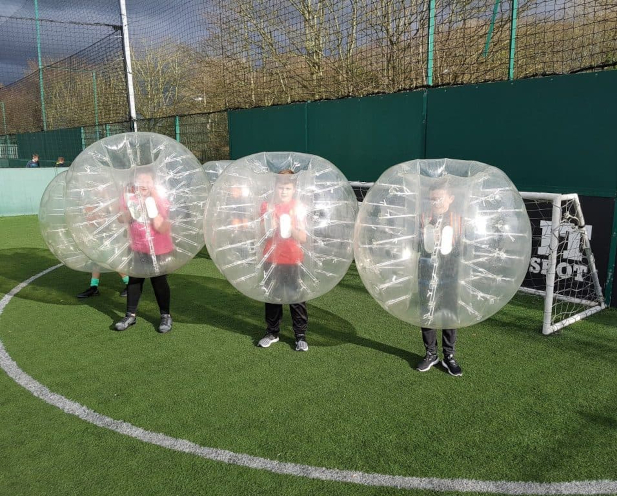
285, 251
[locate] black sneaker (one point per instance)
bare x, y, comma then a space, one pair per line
127, 321
451, 366
166, 323
124, 292
429, 360
91, 291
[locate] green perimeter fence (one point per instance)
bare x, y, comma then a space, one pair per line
206, 135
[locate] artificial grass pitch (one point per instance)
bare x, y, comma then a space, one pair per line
528, 407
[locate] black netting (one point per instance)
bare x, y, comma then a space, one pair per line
207, 56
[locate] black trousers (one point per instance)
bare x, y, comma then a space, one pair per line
299, 317
286, 284
161, 292
448, 340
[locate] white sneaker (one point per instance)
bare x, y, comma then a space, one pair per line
301, 345
267, 340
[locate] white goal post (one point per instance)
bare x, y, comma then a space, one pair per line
562, 268
571, 291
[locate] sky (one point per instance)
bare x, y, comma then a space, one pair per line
63, 32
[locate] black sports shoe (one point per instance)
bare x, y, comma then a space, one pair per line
124, 292
166, 323
127, 321
451, 366
429, 360
91, 291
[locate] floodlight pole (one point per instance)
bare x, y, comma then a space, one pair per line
127, 65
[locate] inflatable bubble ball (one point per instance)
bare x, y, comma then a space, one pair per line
214, 168
55, 232
442, 243
135, 203
279, 226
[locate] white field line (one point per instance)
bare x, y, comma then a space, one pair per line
321, 473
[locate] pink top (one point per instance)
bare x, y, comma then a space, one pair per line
141, 230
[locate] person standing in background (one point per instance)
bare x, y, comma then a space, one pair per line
34, 162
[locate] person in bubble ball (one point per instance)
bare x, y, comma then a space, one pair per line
147, 211
440, 247
285, 217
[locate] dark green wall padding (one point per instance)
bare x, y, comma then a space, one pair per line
365, 136
554, 134
362, 136
50, 145
280, 128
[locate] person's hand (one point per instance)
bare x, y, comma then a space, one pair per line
161, 225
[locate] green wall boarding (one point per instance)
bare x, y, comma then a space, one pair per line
361, 136
281, 128
556, 134
365, 136
50, 145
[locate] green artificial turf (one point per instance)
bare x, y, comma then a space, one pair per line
528, 407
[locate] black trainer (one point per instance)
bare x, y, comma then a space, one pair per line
301, 345
429, 360
127, 321
166, 323
124, 293
451, 366
91, 291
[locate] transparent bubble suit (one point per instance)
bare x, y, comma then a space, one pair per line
214, 168
135, 203
55, 232
275, 249
442, 243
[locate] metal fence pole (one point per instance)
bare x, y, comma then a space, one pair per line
513, 39
489, 36
6, 132
96, 105
431, 43
177, 123
38, 48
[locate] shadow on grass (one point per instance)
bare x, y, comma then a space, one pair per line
195, 300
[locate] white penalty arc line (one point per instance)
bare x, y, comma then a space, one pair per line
219, 455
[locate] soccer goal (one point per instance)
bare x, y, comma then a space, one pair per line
562, 268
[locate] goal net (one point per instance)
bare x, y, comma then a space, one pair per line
562, 269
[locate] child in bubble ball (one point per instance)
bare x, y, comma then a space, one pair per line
438, 275
150, 234
285, 219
